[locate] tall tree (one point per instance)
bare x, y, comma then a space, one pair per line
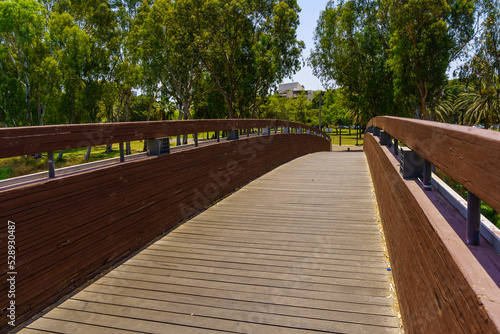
425, 36
246, 46
350, 52
22, 28
168, 51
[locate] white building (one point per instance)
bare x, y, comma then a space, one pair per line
294, 89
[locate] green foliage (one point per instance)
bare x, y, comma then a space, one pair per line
490, 214
350, 52
255, 47
5, 172
425, 36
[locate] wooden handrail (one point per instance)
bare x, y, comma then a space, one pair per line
469, 155
49, 138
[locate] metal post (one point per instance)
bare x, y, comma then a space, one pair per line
473, 219
217, 135
427, 175
122, 153
248, 132
384, 138
340, 136
376, 131
50, 160
320, 109
357, 128
195, 136
258, 131
396, 146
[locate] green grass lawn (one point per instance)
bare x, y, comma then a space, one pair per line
347, 139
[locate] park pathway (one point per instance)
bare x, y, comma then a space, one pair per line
298, 250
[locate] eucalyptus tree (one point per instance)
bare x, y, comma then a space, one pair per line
276, 49
350, 52
168, 52
22, 28
246, 46
426, 35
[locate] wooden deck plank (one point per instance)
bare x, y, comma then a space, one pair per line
189, 304
298, 250
210, 317
183, 269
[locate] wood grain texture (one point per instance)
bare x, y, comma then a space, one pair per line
470, 156
441, 286
48, 138
70, 228
299, 250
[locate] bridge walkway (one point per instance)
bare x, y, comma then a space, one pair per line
298, 250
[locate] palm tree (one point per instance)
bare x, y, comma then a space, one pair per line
444, 109
480, 105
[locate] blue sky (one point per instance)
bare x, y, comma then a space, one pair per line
308, 19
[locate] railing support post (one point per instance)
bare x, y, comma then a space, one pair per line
396, 146
233, 135
122, 153
427, 179
195, 137
384, 138
473, 219
50, 160
217, 135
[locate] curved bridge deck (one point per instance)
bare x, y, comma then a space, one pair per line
298, 250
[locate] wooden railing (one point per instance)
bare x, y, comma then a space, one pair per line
443, 284
470, 156
33, 140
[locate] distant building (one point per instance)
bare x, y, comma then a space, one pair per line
294, 89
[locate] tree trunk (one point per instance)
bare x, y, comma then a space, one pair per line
87, 155
148, 117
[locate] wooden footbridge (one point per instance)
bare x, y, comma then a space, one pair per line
269, 232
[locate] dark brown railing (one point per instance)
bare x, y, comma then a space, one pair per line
49, 138
469, 155
444, 281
